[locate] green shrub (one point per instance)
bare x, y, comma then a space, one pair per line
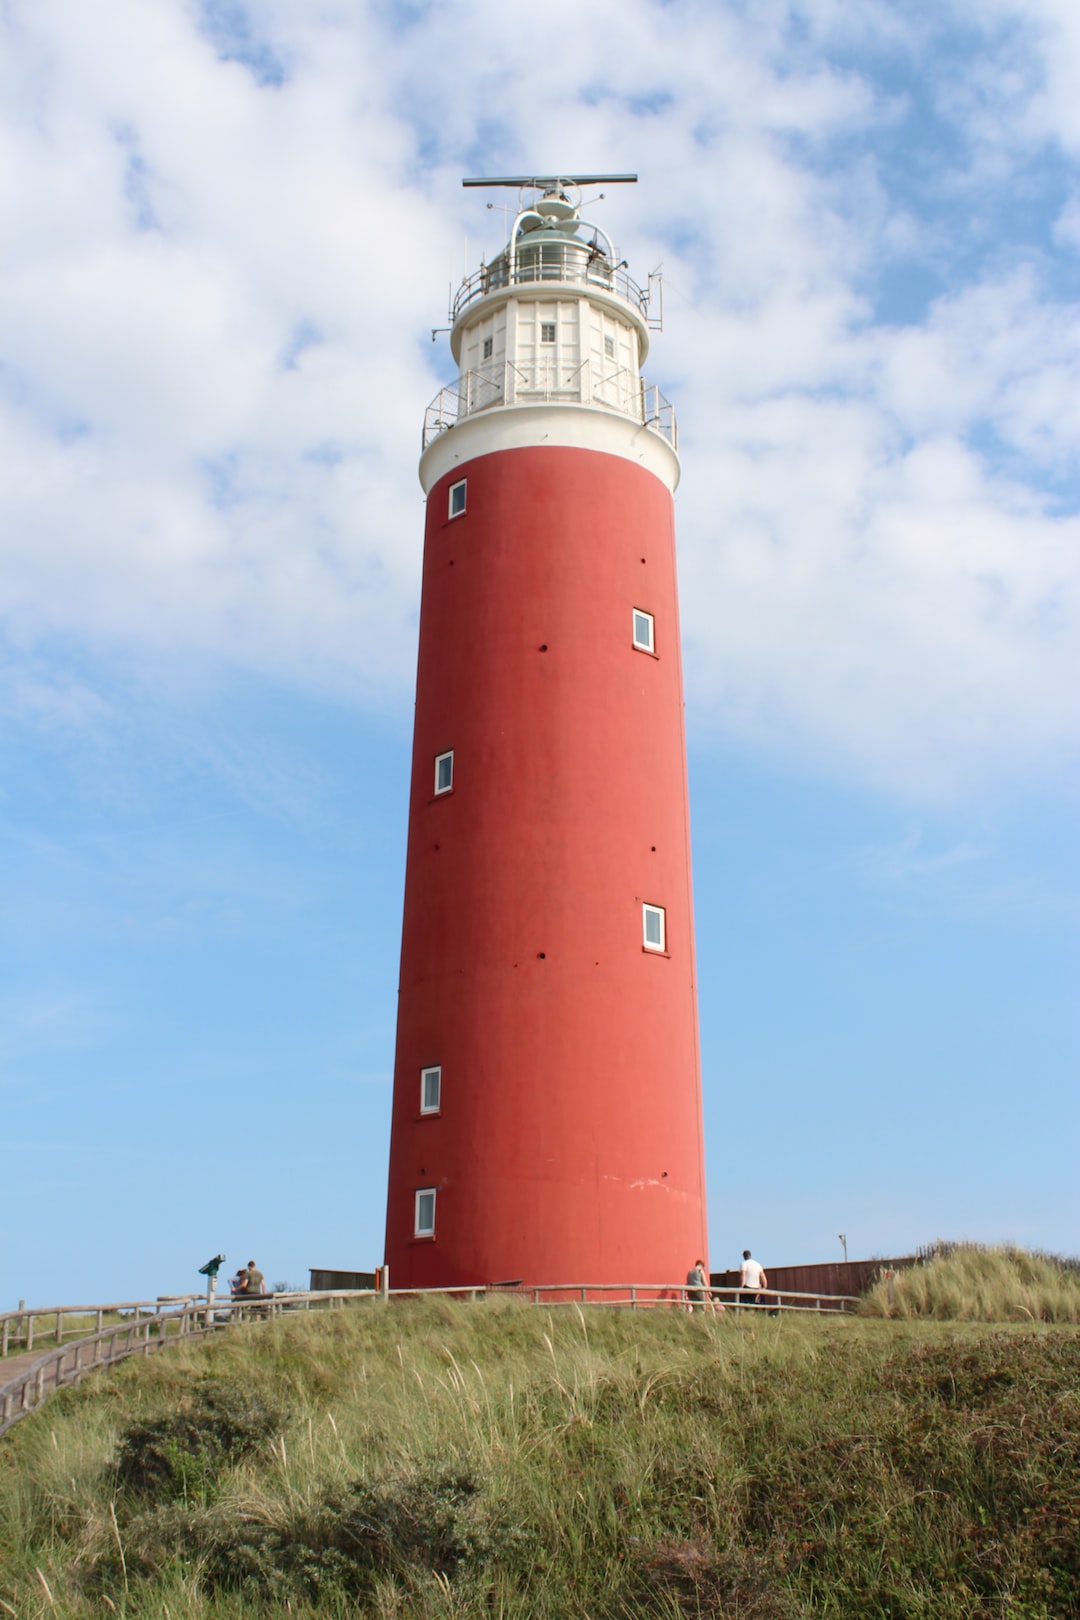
181, 1453
398, 1527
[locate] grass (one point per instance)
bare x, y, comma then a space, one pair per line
969, 1283
436, 1459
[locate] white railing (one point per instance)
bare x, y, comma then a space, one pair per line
556, 261
551, 382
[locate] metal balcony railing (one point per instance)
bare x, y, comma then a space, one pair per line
551, 261
547, 382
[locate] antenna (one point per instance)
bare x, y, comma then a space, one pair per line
542, 180
505, 211
656, 289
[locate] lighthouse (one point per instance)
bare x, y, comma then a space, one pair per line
546, 1123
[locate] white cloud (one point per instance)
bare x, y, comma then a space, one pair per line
910, 860
217, 279
1050, 31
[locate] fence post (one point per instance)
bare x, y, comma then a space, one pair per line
633, 1297
384, 1285
4, 1336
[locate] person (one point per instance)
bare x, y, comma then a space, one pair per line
238, 1283
696, 1283
256, 1282
752, 1279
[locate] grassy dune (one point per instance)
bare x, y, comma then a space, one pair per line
973, 1284
501, 1459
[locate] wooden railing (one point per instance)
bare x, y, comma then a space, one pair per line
640, 1296
775, 1300
57, 1367
147, 1326
19, 1329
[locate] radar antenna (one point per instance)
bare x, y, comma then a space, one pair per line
543, 181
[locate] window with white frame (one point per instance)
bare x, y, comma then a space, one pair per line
444, 771
431, 1089
457, 498
489, 344
609, 347
547, 331
644, 631
424, 1218
654, 927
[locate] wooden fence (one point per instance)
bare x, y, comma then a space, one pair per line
19, 1329
140, 1335
637, 1296
147, 1326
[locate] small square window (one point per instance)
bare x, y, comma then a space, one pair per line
547, 331
654, 925
444, 772
609, 347
424, 1224
489, 344
457, 498
644, 631
431, 1089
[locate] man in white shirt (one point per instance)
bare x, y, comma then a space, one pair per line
752, 1279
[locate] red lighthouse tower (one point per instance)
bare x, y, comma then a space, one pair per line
547, 1098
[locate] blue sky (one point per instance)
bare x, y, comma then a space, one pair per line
227, 233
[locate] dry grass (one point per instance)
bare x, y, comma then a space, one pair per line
437, 1460
968, 1283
